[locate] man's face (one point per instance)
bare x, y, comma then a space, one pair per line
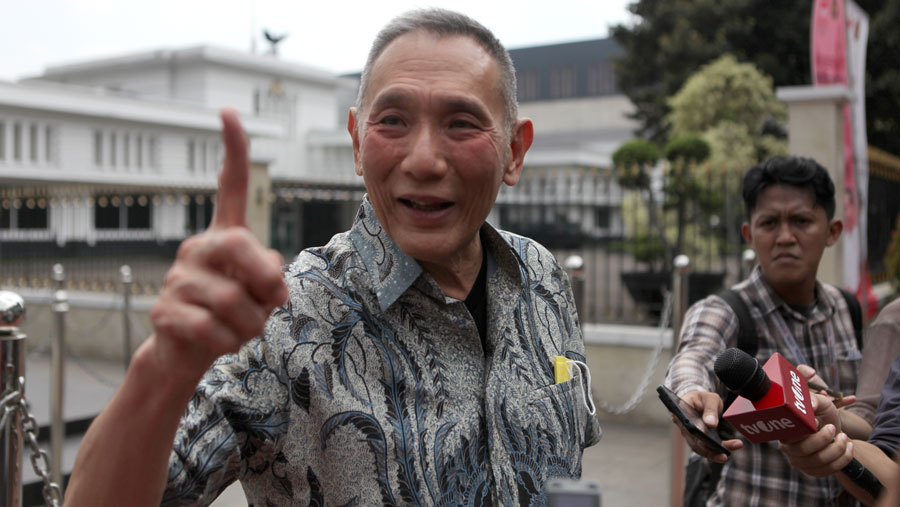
430, 144
789, 232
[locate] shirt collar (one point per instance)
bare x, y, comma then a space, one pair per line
392, 271
824, 302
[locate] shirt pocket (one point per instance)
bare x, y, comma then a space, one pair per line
848, 361
561, 409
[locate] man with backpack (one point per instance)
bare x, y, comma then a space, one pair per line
789, 204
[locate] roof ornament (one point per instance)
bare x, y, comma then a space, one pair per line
273, 41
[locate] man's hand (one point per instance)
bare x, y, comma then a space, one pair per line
223, 284
710, 405
821, 454
824, 452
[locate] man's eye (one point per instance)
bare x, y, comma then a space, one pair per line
391, 121
461, 124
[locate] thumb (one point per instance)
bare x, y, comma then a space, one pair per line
231, 202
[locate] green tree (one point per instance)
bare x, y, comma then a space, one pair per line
728, 103
670, 40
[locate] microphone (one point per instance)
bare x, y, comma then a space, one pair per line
768, 409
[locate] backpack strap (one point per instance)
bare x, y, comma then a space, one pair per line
746, 339
855, 314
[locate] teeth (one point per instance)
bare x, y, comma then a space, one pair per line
426, 207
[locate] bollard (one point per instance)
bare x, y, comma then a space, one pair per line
57, 368
748, 260
125, 271
679, 306
12, 361
574, 264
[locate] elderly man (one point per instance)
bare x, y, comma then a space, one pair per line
409, 360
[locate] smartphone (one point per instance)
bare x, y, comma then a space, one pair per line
690, 419
573, 493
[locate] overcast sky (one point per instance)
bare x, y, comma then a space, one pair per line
333, 34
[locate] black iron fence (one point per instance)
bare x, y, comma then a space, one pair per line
619, 241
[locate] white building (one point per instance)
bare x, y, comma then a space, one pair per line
117, 157
120, 155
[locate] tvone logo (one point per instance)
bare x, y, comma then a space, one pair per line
766, 426
797, 389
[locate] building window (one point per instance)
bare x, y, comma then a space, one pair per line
126, 150
528, 85
153, 152
200, 210
32, 214
129, 212
138, 212
49, 142
33, 142
139, 152
112, 149
600, 79
106, 214
2, 140
202, 164
17, 142
5, 213
191, 149
98, 147
562, 82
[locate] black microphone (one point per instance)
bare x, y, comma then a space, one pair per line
742, 375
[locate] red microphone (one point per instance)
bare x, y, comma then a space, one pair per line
774, 404
774, 401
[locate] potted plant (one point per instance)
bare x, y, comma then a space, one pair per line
683, 200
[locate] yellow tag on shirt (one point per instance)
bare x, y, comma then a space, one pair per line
561, 369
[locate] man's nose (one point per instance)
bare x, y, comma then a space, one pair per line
426, 158
785, 234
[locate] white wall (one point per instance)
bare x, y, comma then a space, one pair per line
607, 112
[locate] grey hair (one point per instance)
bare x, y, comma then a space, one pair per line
443, 23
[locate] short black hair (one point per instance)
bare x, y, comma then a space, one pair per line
795, 171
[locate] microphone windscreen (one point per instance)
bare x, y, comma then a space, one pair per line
741, 374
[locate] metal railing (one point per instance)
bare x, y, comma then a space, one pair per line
17, 424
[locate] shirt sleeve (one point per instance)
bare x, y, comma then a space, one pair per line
881, 346
705, 328
231, 425
886, 430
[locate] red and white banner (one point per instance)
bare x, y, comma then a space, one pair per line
840, 30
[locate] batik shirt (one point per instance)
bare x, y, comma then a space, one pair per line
371, 386
759, 474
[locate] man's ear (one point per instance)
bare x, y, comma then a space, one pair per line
354, 135
520, 141
835, 227
746, 234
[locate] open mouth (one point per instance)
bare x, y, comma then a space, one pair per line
421, 206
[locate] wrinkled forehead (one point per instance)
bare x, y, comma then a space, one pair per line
456, 56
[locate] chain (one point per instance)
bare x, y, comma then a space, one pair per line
652, 363
40, 462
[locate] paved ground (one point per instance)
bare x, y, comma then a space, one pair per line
631, 462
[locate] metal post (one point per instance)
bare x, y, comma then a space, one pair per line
748, 260
574, 264
125, 271
679, 306
12, 376
57, 368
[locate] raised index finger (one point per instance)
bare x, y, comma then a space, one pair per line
231, 202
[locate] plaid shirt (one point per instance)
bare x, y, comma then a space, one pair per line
758, 474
